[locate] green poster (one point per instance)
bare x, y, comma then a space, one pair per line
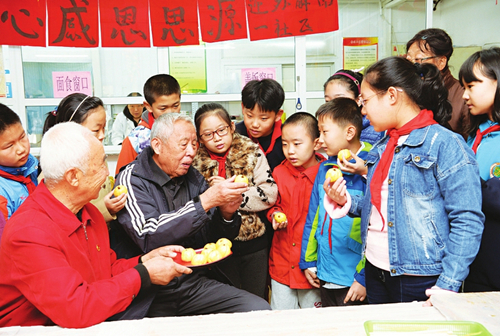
188, 66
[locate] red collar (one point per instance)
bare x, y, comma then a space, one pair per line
58, 212
276, 135
310, 172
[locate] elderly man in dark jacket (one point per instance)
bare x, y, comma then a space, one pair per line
169, 202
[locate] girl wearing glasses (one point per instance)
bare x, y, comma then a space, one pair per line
435, 46
224, 153
421, 219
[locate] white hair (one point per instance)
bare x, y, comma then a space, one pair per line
65, 146
163, 126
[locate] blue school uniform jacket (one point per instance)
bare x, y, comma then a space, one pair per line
334, 245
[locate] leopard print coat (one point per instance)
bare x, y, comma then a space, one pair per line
245, 158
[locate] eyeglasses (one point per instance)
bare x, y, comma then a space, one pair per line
420, 60
363, 101
221, 131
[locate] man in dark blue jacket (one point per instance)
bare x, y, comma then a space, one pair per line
169, 202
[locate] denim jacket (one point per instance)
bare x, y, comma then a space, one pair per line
434, 217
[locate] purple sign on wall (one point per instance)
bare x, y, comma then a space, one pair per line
67, 82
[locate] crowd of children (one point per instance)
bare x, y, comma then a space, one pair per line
406, 216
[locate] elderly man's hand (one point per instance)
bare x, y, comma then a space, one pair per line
162, 270
169, 251
225, 194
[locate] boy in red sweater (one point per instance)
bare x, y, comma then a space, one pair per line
295, 179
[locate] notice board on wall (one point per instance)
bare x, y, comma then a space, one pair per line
188, 65
359, 52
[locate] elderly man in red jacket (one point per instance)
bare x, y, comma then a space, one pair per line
55, 260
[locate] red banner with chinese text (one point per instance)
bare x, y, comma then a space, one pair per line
282, 18
23, 23
124, 23
174, 23
222, 20
73, 23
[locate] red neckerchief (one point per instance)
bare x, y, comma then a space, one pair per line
27, 181
276, 135
221, 159
423, 119
480, 135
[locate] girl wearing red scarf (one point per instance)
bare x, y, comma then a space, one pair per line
480, 76
224, 153
421, 219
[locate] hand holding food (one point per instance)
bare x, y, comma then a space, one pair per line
210, 253
121, 189
241, 179
279, 221
344, 154
333, 174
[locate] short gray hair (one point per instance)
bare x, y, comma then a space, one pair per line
65, 146
163, 126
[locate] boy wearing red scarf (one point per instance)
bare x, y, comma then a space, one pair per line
295, 179
261, 103
18, 168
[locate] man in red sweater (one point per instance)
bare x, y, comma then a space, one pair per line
57, 266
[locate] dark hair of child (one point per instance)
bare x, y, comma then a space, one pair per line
351, 80
267, 94
74, 107
306, 120
160, 85
208, 110
421, 82
488, 63
343, 111
7, 118
435, 40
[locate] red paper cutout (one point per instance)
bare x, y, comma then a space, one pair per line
282, 18
73, 23
23, 23
124, 23
222, 20
174, 23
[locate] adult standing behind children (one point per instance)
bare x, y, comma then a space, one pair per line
18, 168
163, 95
223, 153
347, 83
261, 103
126, 121
419, 228
480, 75
295, 177
331, 244
435, 46
89, 112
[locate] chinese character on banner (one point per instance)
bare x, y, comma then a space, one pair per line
73, 23
174, 23
23, 23
281, 18
67, 82
124, 23
222, 20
